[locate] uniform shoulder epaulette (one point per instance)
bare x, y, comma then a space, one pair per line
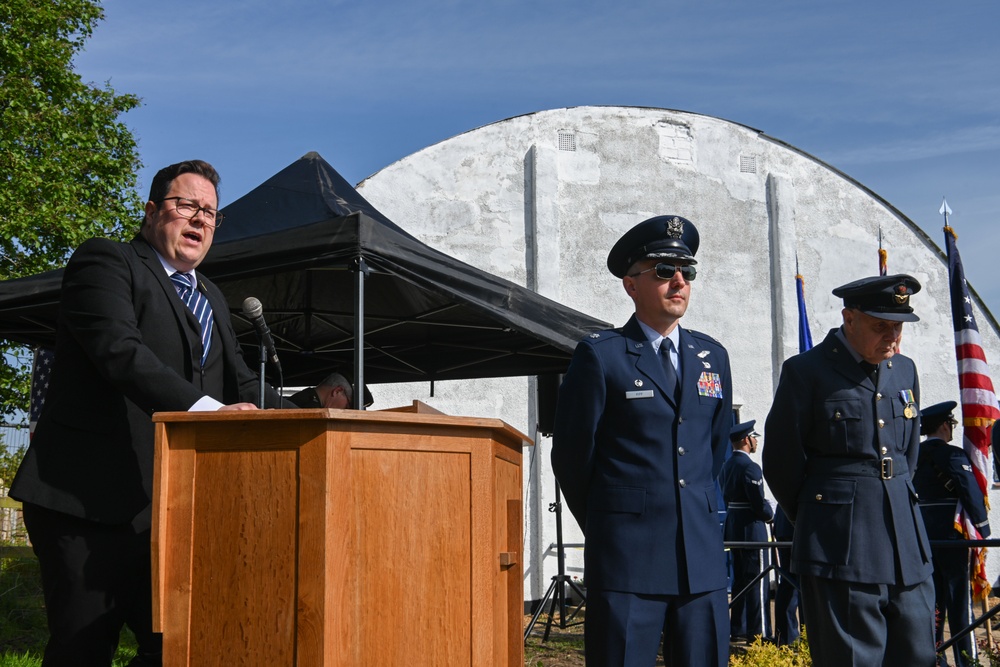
603, 334
703, 336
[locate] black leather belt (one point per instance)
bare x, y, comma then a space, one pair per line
884, 468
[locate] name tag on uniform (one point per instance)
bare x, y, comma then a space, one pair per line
639, 394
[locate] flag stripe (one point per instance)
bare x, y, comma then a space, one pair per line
978, 366
977, 382
971, 351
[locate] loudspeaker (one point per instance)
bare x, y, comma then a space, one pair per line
548, 394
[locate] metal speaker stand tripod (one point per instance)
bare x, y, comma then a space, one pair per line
556, 594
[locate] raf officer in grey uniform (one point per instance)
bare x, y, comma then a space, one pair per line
747, 514
641, 430
944, 481
841, 443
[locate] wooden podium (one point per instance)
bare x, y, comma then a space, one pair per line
337, 538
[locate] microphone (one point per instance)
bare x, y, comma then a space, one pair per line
254, 311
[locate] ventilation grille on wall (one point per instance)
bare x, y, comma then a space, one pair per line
567, 141
748, 164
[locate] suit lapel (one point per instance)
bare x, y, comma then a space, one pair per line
691, 365
219, 305
694, 362
152, 264
843, 361
647, 361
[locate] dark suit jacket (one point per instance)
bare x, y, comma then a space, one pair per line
306, 398
637, 470
127, 347
827, 414
743, 490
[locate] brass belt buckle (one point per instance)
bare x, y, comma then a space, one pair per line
886, 471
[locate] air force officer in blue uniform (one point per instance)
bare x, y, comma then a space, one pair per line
945, 481
642, 427
841, 443
747, 514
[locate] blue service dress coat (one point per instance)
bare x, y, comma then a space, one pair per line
944, 479
637, 469
747, 512
827, 432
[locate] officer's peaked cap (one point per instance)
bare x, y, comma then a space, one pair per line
933, 416
884, 297
741, 431
668, 237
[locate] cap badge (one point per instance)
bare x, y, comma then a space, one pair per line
675, 228
901, 297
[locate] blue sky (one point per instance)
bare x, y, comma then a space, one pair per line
903, 97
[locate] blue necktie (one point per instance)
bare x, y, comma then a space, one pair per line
197, 304
673, 382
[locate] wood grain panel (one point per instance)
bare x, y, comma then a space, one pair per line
413, 564
244, 583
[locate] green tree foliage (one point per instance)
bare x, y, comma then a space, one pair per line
67, 164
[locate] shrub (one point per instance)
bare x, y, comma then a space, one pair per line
767, 654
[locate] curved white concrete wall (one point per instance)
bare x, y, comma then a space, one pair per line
540, 199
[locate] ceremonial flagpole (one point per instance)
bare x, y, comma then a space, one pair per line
979, 403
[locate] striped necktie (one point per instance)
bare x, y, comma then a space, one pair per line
197, 304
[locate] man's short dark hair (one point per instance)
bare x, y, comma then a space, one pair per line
165, 177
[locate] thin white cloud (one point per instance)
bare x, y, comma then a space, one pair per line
960, 141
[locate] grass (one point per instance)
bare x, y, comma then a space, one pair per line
23, 632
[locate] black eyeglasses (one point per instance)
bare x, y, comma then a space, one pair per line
666, 271
189, 209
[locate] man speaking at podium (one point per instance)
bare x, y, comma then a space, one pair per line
139, 332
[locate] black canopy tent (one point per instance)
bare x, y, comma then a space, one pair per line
315, 253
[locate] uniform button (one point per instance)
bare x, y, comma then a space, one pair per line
881, 423
878, 397
884, 450
680, 420
836, 415
819, 496
680, 451
681, 483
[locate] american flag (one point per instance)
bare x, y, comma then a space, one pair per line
41, 369
979, 402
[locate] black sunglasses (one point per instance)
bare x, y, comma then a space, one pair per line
666, 271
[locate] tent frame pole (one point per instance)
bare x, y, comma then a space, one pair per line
361, 274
